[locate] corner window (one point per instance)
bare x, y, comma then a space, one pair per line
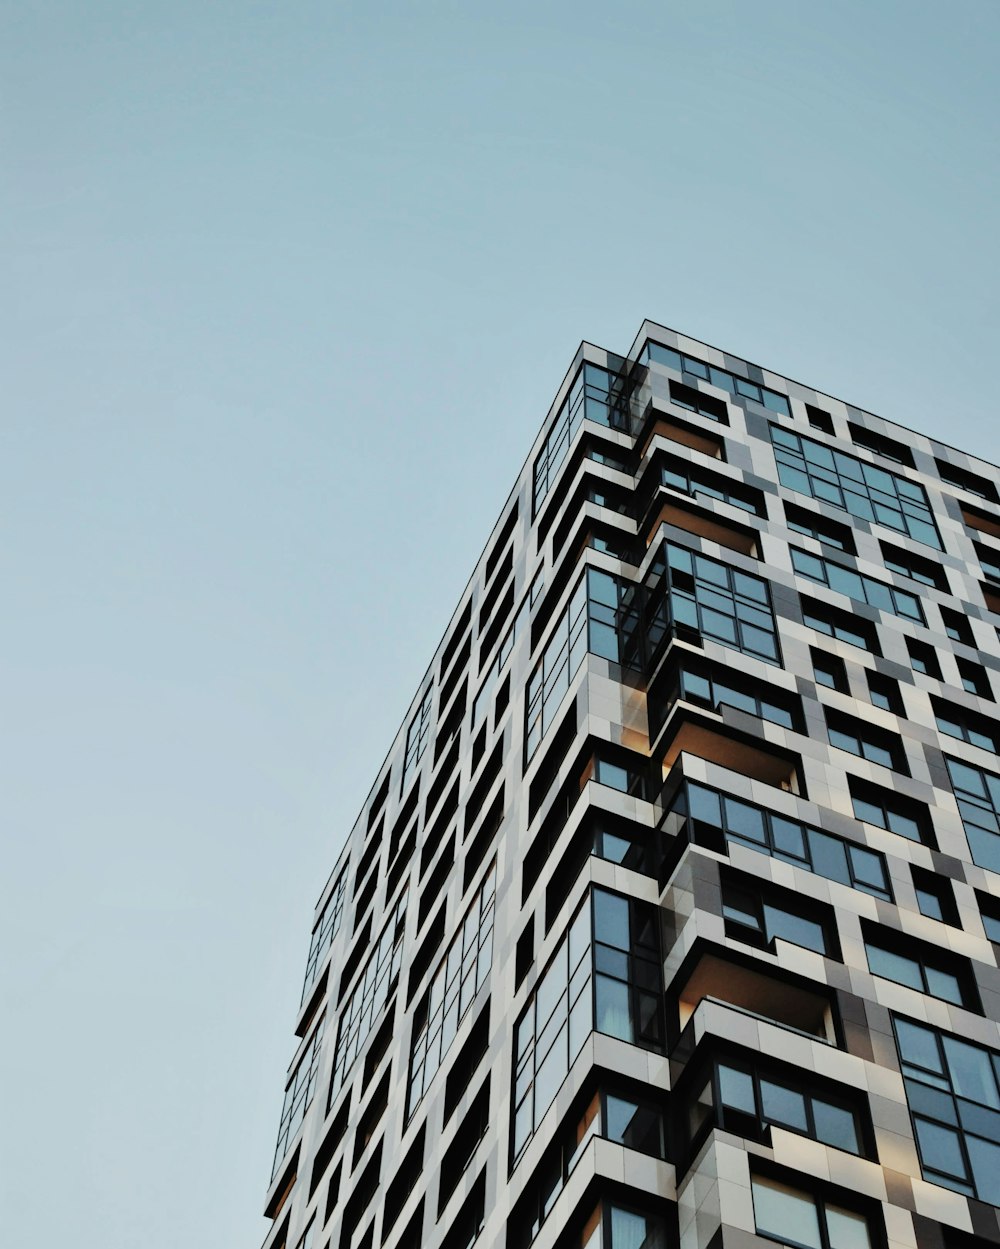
605, 977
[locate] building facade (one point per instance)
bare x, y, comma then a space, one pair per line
670, 918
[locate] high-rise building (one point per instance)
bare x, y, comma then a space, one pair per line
673, 915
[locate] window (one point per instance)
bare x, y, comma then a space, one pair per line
844, 626
604, 976
867, 741
798, 1218
989, 912
788, 840
923, 659
921, 967
829, 670
895, 812
819, 419
307, 1236
916, 567
708, 688
655, 353
856, 586
416, 738
759, 917
612, 1114
592, 621
324, 931
880, 444
614, 1226
370, 994
866, 492
957, 626
590, 396
721, 603
884, 692
298, 1094
967, 726
503, 654
800, 520
692, 400
935, 896
749, 1100
953, 1091
989, 561
977, 793
698, 482
966, 480
974, 678
460, 975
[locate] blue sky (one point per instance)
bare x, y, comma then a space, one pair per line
289, 291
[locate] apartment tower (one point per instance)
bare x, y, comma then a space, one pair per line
672, 918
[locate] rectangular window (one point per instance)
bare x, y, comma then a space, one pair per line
824, 530
788, 840
989, 913
867, 741
324, 932
886, 809
698, 482
749, 1100
857, 586
967, 726
369, 996
977, 793
968, 481
590, 397
923, 658
510, 639
880, 444
298, 1094
829, 670
655, 353
953, 1092
711, 687
610, 1115
841, 480
842, 625
416, 738
916, 567
720, 602
793, 1217
758, 916
974, 678
461, 973
907, 961
989, 561
935, 896
604, 976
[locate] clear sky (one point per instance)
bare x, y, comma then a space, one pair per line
288, 289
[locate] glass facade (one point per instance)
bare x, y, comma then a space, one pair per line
325, 930
953, 1091
604, 977
865, 589
460, 975
866, 492
721, 603
590, 398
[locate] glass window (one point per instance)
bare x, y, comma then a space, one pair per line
889, 810
953, 1094
798, 1218
866, 492
461, 973
416, 737
867, 741
722, 603
370, 994
785, 839
324, 932
977, 793
715, 690
656, 353
605, 975
690, 479
590, 397
917, 970
298, 1094
856, 586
